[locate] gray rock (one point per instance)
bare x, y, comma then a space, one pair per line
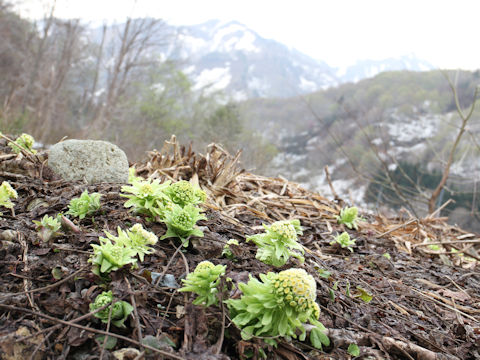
90, 160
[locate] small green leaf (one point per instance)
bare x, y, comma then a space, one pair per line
318, 338
353, 350
111, 341
323, 273
57, 272
331, 293
364, 295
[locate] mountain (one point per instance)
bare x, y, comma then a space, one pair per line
234, 58
369, 68
246, 65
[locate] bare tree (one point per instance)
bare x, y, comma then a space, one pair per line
135, 49
465, 118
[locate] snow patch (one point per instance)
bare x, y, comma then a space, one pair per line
216, 78
307, 85
423, 127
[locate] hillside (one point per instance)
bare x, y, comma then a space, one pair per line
418, 302
401, 121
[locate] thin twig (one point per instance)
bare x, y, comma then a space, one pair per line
396, 228
48, 287
135, 311
475, 241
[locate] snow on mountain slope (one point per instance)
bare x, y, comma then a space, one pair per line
369, 68
257, 67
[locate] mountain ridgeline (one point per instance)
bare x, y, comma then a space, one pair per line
239, 61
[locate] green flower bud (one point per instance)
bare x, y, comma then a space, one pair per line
203, 282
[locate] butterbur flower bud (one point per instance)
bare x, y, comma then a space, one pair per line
118, 311
143, 237
181, 222
203, 282
348, 216
284, 229
280, 305
183, 193
279, 242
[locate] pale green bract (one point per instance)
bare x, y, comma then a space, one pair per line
6, 194
47, 228
348, 216
227, 252
344, 240
204, 282
146, 197
183, 193
119, 311
136, 238
132, 177
110, 256
24, 141
279, 305
279, 242
181, 222
84, 205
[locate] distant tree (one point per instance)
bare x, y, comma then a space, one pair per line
134, 50
224, 126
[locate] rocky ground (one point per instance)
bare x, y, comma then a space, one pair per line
425, 293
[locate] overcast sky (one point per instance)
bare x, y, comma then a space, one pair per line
339, 32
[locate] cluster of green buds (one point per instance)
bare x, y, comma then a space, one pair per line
183, 193
23, 142
279, 305
47, 228
204, 282
118, 312
344, 241
348, 217
85, 205
279, 242
181, 223
227, 251
136, 238
6, 194
146, 197
115, 252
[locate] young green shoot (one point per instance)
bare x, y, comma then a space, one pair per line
23, 142
47, 228
110, 256
279, 242
136, 238
146, 197
6, 194
227, 252
344, 241
204, 282
181, 222
348, 217
115, 252
85, 205
279, 305
183, 193
119, 311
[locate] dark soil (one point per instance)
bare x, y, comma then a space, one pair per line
425, 305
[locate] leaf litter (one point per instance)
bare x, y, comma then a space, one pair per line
420, 302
